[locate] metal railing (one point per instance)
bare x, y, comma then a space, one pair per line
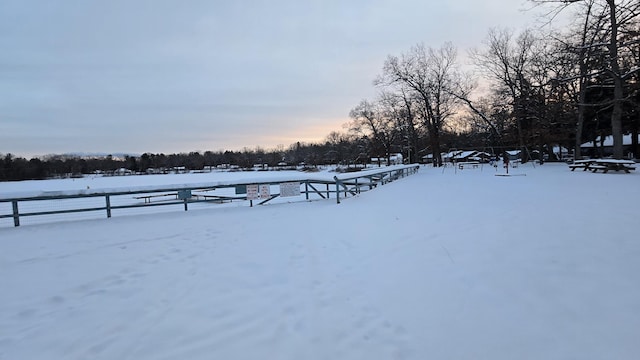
261, 191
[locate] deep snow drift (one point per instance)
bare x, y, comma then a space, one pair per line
439, 265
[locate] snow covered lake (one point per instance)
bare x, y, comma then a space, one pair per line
439, 265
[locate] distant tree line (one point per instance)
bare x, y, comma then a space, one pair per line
345, 149
533, 89
339, 149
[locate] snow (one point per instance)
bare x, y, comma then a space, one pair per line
105, 184
440, 265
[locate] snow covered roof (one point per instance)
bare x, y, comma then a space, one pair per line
459, 154
451, 154
465, 154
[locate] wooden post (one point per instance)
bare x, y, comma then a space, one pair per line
108, 200
306, 189
16, 215
185, 203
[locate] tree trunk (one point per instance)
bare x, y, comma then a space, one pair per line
577, 154
634, 139
435, 145
582, 91
618, 93
434, 139
616, 119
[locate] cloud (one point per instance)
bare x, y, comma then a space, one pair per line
151, 75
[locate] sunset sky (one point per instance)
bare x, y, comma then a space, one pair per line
177, 76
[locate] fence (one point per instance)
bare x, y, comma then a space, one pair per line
106, 202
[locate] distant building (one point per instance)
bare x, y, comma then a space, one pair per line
466, 156
122, 171
179, 170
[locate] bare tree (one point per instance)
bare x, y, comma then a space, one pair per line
619, 33
400, 109
429, 76
377, 124
590, 29
480, 109
506, 60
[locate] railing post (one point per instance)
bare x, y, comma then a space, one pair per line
306, 189
185, 203
108, 200
337, 191
16, 215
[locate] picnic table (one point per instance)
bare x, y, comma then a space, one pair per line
603, 164
473, 164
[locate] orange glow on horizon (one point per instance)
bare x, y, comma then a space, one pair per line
308, 134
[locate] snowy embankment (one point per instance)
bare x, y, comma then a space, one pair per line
439, 265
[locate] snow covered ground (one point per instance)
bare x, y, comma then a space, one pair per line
439, 265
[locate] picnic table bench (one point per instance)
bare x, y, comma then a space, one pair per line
218, 198
594, 165
612, 164
578, 166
